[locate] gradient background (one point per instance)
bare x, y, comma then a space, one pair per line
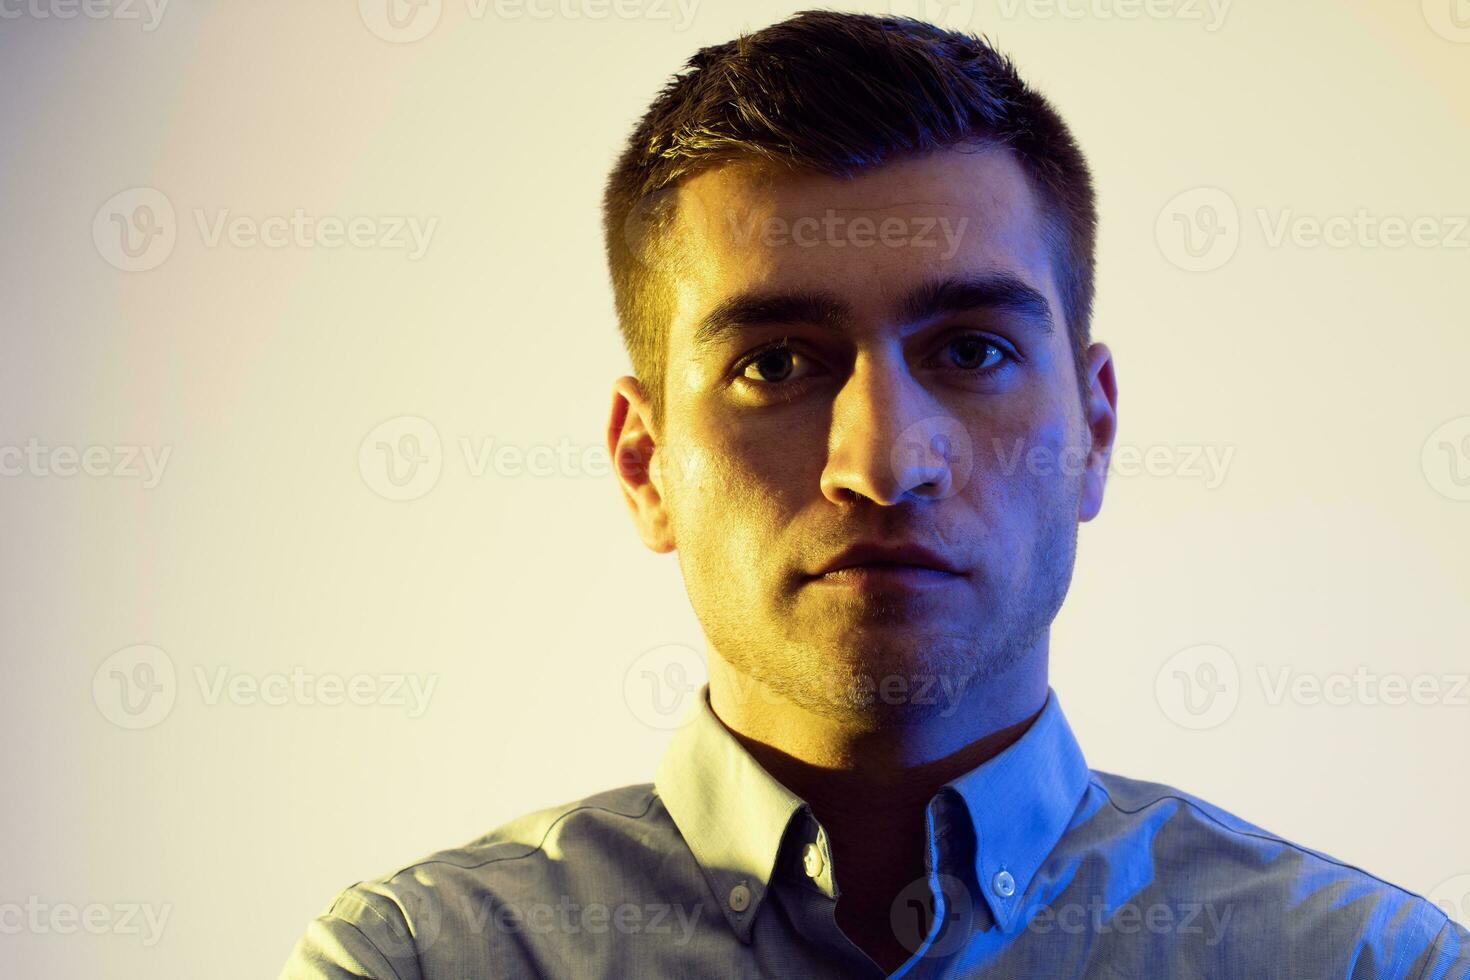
1337, 539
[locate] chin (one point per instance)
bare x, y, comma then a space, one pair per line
888, 683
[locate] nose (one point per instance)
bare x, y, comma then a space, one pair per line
889, 438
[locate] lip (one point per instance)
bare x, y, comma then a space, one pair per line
891, 560
892, 567
889, 577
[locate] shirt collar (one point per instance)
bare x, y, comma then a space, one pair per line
731, 812
1020, 802
734, 815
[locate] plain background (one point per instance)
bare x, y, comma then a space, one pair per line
1333, 548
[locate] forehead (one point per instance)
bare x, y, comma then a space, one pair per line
870, 238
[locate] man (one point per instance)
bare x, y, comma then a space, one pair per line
853, 263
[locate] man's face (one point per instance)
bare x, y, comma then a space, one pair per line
881, 360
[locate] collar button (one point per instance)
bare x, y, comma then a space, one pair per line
1003, 884
811, 861
740, 897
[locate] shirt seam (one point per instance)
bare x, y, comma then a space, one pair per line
369, 939
1302, 849
366, 898
539, 845
1434, 948
1298, 848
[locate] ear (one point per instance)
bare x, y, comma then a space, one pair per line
631, 445
1101, 414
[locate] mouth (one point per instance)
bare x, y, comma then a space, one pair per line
887, 576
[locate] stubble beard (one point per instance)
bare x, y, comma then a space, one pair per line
842, 672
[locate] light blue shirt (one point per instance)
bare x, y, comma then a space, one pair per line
1037, 867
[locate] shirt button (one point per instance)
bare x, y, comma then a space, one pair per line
811, 860
740, 898
1003, 884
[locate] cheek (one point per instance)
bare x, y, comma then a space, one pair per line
1049, 441
725, 497
727, 533
767, 460
1021, 468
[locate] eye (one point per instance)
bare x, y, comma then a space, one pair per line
977, 353
773, 365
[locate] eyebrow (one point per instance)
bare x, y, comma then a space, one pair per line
750, 309
1000, 291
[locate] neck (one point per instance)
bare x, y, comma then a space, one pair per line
857, 765
869, 784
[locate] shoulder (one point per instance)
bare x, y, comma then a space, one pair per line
1277, 889
541, 835
1218, 831
552, 847
584, 859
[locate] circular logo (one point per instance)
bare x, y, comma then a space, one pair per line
1452, 897
422, 922
660, 685
135, 230
1450, 19
936, 451
400, 21
913, 912
135, 687
1446, 459
402, 458
956, 15
1199, 230
1198, 687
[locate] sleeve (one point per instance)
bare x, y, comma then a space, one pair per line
358, 937
1448, 956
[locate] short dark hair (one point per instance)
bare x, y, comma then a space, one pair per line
836, 93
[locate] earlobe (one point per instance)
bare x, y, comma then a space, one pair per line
1100, 412
632, 447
